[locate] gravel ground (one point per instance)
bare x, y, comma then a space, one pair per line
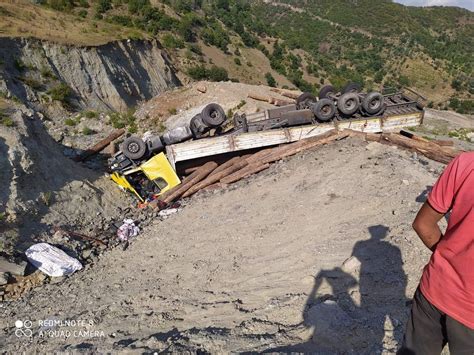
316, 253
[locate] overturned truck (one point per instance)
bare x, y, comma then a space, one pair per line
147, 166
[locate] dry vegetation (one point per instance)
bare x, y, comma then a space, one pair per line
23, 19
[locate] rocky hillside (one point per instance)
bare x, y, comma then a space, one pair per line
284, 43
112, 76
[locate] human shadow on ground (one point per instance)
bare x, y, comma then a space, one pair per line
349, 316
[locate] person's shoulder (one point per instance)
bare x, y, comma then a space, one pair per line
466, 158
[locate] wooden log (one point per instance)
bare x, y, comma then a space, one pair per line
227, 164
443, 142
368, 137
258, 97
183, 182
111, 149
199, 175
430, 150
291, 95
190, 170
293, 149
278, 102
214, 178
242, 173
100, 145
265, 154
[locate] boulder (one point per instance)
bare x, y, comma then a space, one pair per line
13, 268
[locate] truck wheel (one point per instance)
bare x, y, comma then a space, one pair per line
198, 127
326, 91
324, 110
305, 100
351, 87
348, 103
373, 103
213, 115
134, 148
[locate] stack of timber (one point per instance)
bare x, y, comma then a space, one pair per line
212, 175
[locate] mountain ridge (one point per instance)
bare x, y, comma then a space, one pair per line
290, 43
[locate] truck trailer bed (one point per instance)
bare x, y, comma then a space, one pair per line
243, 141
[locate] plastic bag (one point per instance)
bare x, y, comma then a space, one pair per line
127, 230
51, 260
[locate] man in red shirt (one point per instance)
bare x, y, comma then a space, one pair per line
443, 305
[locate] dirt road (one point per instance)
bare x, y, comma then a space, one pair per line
317, 245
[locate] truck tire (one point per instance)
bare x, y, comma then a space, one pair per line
213, 115
351, 87
348, 103
324, 110
155, 145
326, 91
305, 100
373, 103
134, 148
198, 127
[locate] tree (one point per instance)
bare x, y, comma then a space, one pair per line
270, 80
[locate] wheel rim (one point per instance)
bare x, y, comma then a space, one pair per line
215, 114
374, 104
133, 147
350, 104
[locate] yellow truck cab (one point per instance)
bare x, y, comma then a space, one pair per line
148, 180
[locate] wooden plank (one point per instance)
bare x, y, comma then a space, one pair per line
364, 125
225, 144
395, 123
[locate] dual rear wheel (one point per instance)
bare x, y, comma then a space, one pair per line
348, 103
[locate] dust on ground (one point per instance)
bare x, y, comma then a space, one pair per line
317, 245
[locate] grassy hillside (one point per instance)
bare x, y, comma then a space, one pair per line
286, 43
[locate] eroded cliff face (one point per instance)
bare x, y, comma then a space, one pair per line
113, 76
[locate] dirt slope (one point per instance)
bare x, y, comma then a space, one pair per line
259, 266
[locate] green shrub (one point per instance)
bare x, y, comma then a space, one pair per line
237, 61
82, 13
133, 128
122, 120
88, 131
61, 92
70, 122
31, 82
61, 5
47, 73
172, 111
218, 74
6, 121
91, 114
214, 73
270, 80
19, 65
170, 41
103, 6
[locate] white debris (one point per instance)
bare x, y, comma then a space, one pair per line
51, 260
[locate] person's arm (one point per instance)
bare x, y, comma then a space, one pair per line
426, 225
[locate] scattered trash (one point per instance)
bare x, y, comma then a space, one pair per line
127, 230
51, 260
166, 213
